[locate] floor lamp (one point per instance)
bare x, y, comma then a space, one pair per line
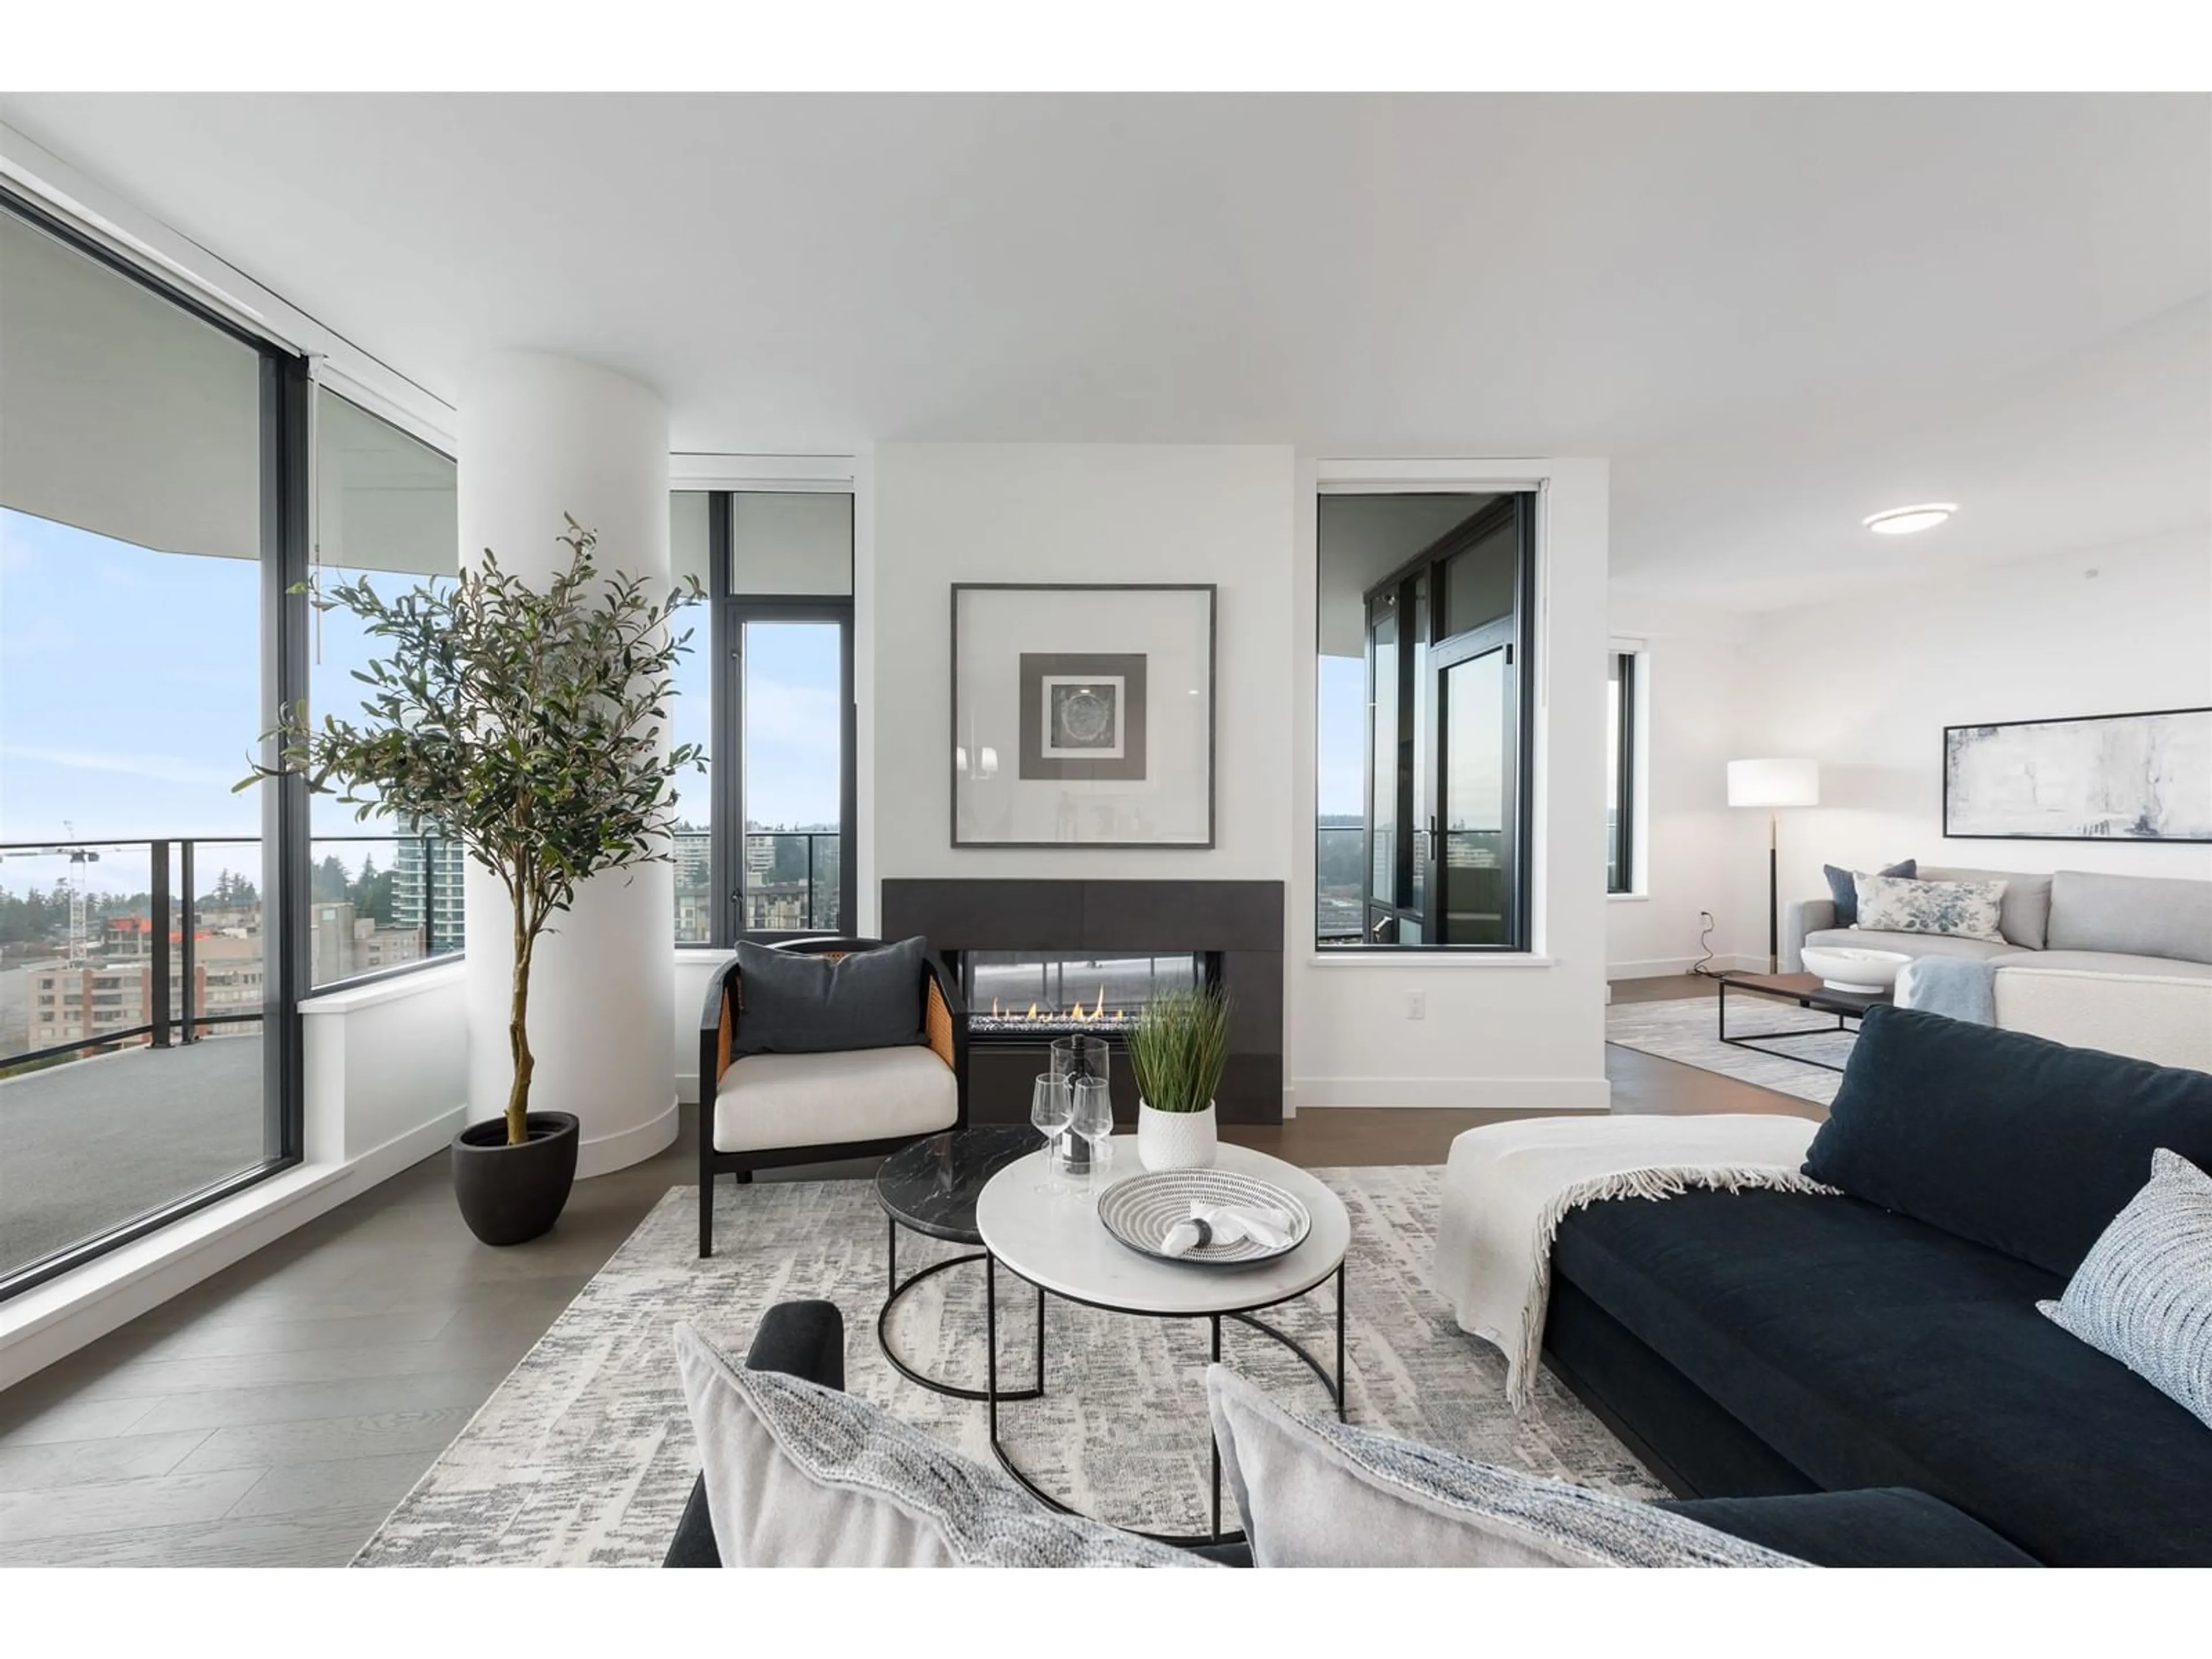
1773, 784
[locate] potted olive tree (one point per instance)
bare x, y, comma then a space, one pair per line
527, 722
1177, 1049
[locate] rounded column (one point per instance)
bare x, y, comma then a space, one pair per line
541, 435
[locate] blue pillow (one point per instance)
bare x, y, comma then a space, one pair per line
1843, 885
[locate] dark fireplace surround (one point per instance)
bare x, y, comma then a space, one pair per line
1236, 928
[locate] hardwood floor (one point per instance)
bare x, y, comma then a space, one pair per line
274, 1414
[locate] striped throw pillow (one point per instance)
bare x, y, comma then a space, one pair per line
2143, 1294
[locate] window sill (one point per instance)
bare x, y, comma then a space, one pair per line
414, 979
1425, 959
1628, 899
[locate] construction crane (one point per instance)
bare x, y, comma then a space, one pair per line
76, 882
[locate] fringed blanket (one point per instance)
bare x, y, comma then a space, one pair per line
1508, 1185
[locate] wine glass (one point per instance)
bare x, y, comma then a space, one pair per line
1051, 1103
1093, 1119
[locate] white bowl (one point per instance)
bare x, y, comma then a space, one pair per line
1870, 973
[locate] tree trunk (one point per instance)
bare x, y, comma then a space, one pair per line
518, 1039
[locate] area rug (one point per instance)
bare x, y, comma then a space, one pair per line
584, 1454
1683, 1029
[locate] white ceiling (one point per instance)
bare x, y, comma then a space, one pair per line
1775, 314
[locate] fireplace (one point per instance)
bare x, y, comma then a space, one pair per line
1041, 959
1019, 996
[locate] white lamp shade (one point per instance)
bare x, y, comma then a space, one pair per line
1774, 783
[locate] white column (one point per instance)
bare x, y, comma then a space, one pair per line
541, 435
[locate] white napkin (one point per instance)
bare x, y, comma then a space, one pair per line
1223, 1223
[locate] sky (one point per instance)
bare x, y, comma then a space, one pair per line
130, 703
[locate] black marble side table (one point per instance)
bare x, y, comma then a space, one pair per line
931, 1188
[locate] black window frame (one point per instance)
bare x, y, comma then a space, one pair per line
1417, 837
729, 611
285, 490
1620, 851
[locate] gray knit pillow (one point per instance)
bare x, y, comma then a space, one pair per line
2143, 1294
1314, 1493
799, 1475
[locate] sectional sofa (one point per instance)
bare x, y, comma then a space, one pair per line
1756, 1344
2118, 962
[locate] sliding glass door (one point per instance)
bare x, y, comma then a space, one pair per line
1448, 663
152, 461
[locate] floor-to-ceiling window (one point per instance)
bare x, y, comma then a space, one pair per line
151, 460
1421, 823
383, 894
767, 689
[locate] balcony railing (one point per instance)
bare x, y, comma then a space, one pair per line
189, 963
793, 881
1339, 882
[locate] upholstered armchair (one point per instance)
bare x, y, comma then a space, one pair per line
764, 1111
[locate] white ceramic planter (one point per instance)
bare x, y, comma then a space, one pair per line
1176, 1141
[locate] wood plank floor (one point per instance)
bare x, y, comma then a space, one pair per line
275, 1414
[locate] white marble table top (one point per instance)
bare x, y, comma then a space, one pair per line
1056, 1240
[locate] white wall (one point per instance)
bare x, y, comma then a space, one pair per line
1497, 1031
1687, 855
1865, 683
1526, 1034
1047, 513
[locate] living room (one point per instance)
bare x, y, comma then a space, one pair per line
1079, 879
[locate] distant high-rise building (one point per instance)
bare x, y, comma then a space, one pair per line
426, 890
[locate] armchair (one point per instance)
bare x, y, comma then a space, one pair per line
769, 1111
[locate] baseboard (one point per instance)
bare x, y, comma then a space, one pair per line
57, 1318
687, 1088
604, 1154
1546, 1094
1661, 967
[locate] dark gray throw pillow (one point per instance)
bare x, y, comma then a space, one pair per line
1844, 885
794, 1004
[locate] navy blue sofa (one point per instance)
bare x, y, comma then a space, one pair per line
1756, 1345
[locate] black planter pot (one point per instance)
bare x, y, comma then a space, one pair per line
512, 1194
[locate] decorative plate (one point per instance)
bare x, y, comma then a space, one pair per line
1139, 1212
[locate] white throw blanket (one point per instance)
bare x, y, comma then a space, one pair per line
1508, 1185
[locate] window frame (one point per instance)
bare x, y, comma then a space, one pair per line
286, 491
1620, 857
728, 613
1515, 633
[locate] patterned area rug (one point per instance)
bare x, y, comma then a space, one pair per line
584, 1454
1683, 1029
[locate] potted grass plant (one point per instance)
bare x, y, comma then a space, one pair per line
1177, 1048
529, 723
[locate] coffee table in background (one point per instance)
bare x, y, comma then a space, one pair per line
1806, 991
931, 1188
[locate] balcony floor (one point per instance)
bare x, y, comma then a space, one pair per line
87, 1145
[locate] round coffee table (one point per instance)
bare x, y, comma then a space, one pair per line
931, 1188
1056, 1241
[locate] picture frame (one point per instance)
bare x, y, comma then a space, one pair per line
2136, 777
1082, 714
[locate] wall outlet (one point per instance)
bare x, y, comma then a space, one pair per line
1417, 1004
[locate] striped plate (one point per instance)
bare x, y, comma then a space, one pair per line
1139, 1212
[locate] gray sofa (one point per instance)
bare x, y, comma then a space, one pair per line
2075, 919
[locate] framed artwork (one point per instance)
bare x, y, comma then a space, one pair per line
2095, 777
1082, 714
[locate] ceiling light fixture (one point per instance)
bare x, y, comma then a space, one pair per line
1910, 520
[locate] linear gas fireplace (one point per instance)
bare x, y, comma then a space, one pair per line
1043, 959
1021, 995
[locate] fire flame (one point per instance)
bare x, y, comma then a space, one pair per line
1095, 1011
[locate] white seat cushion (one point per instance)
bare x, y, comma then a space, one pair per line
772, 1101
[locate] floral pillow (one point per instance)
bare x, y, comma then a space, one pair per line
1961, 909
